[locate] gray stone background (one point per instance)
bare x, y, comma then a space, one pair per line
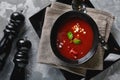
113, 7
35, 71
43, 72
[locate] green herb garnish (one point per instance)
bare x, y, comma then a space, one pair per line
70, 35
76, 41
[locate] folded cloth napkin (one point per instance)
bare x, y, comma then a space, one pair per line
46, 56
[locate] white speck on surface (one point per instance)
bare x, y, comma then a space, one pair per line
84, 32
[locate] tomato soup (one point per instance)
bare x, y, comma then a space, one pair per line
74, 39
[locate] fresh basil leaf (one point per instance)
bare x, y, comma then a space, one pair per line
70, 35
76, 41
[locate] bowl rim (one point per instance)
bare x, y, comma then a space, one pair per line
60, 20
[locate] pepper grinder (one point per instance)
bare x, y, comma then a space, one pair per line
10, 33
21, 60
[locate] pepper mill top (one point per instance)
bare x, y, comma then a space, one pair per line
18, 17
21, 57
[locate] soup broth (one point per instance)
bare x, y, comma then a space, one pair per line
74, 39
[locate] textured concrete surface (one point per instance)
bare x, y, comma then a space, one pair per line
113, 7
35, 71
112, 73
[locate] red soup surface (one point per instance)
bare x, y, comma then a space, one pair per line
74, 39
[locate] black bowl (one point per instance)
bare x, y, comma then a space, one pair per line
61, 20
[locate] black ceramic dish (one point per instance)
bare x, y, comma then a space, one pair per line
60, 21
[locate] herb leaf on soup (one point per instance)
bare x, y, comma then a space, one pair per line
70, 35
76, 41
